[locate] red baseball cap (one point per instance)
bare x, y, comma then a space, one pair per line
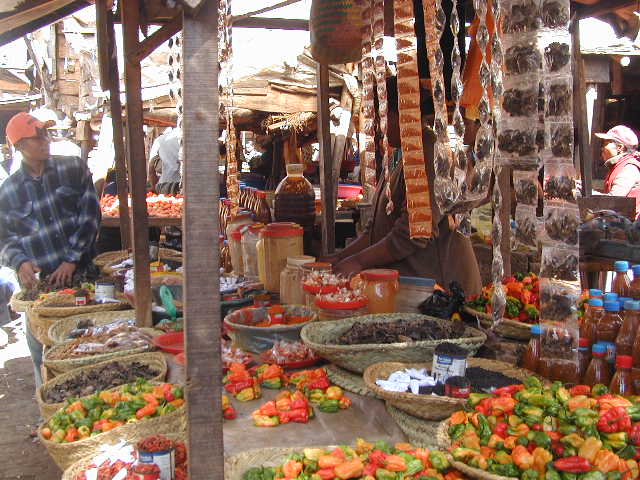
23, 125
620, 134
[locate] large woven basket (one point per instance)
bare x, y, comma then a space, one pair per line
419, 432
154, 360
507, 328
18, 304
430, 407
109, 257
47, 311
59, 330
357, 358
166, 254
66, 454
444, 442
81, 465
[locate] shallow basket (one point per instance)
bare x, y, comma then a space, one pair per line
444, 443
108, 257
59, 330
419, 432
66, 454
430, 407
18, 304
507, 328
357, 358
154, 360
47, 311
166, 254
79, 466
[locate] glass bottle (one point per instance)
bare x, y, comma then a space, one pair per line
599, 370
634, 288
591, 318
295, 201
627, 334
621, 383
621, 284
608, 329
263, 213
584, 357
531, 357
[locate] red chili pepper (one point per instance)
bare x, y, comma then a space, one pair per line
484, 406
531, 446
508, 390
370, 469
573, 465
558, 448
321, 383
501, 429
537, 427
236, 387
616, 419
229, 413
580, 390
299, 415
378, 456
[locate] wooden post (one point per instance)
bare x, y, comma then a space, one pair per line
106, 33
200, 241
327, 183
137, 163
584, 162
504, 182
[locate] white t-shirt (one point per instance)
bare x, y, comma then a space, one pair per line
167, 147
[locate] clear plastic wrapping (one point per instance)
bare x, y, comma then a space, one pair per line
560, 183
561, 224
521, 16
555, 14
559, 98
560, 137
525, 185
557, 57
559, 320
521, 101
526, 226
522, 58
519, 140
559, 263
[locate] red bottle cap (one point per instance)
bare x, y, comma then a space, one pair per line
624, 361
583, 342
379, 274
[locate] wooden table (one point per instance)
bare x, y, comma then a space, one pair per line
153, 221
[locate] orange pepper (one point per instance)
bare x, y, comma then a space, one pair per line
395, 463
178, 402
329, 461
403, 446
510, 442
350, 469
470, 439
521, 457
72, 435
606, 461
292, 469
458, 418
502, 405
487, 452
146, 411
158, 392
150, 399
541, 457
579, 401
605, 402
422, 454
75, 406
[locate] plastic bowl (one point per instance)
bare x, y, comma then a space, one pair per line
349, 191
170, 342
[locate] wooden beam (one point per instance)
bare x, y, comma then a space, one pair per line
136, 158
45, 80
103, 40
201, 247
603, 7
149, 44
583, 159
273, 23
264, 10
327, 183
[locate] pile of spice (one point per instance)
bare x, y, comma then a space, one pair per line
400, 331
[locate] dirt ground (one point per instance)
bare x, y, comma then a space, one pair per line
21, 455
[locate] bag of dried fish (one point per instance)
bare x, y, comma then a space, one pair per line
522, 101
559, 342
557, 57
561, 224
525, 185
523, 58
519, 141
559, 263
560, 182
526, 226
521, 16
561, 141
559, 98
555, 14
558, 301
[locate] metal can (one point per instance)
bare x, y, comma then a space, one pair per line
163, 459
81, 301
457, 387
146, 471
105, 290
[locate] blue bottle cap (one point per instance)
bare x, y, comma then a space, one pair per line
623, 300
596, 302
636, 270
612, 306
610, 296
599, 348
632, 305
595, 292
621, 266
536, 329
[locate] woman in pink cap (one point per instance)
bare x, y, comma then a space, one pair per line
620, 156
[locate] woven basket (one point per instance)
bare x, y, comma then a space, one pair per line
154, 359
236, 465
419, 432
109, 257
66, 454
507, 328
349, 381
430, 407
47, 311
81, 465
167, 254
444, 442
58, 332
357, 358
18, 304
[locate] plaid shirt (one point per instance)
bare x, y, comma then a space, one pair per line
50, 219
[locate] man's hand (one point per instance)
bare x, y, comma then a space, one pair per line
27, 274
348, 266
62, 275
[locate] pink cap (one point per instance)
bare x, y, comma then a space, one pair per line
620, 134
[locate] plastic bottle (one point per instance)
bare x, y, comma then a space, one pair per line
599, 370
621, 382
295, 201
610, 297
595, 293
531, 357
591, 318
584, 357
621, 284
634, 288
608, 329
627, 334
622, 301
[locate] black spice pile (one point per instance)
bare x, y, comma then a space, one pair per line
399, 331
451, 349
482, 380
109, 376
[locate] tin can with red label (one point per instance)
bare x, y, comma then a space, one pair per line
81, 301
457, 387
146, 471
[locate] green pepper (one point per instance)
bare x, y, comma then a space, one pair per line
570, 451
555, 386
532, 312
585, 417
85, 422
614, 475
77, 415
413, 467
484, 429
329, 406
542, 439
523, 440
573, 440
178, 392
568, 476
383, 474
628, 453
506, 470
438, 460
552, 474
529, 474
554, 410
456, 431
383, 446
476, 398
265, 421
532, 383
246, 395
599, 389
272, 383
530, 414
84, 431
513, 307
567, 429
310, 466
634, 412
594, 475
563, 395
254, 473
91, 402
616, 441
268, 473
316, 396
407, 457
538, 399
502, 457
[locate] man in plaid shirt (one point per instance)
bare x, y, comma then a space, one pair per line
50, 213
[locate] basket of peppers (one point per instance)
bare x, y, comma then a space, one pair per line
366, 460
134, 411
536, 432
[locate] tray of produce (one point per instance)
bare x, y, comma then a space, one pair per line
290, 355
256, 329
102, 376
550, 432
104, 342
130, 413
364, 459
412, 389
158, 205
66, 329
355, 343
522, 309
111, 460
73, 301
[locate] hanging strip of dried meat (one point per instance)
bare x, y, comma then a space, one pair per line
368, 113
418, 197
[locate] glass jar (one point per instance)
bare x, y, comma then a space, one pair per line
310, 291
328, 310
235, 250
278, 241
295, 200
250, 236
240, 220
291, 292
380, 286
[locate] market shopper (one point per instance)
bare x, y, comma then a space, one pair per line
50, 215
164, 163
386, 243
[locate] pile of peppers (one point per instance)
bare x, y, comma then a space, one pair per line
367, 461
228, 410
240, 383
536, 432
